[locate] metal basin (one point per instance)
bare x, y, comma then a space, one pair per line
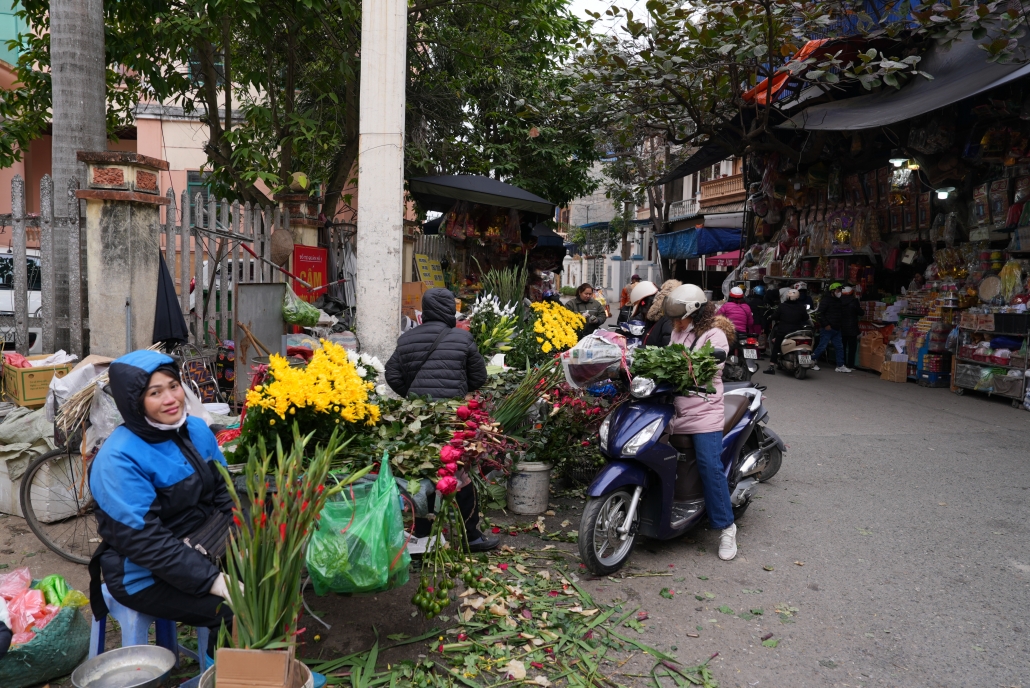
136, 666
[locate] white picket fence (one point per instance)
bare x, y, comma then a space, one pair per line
190, 249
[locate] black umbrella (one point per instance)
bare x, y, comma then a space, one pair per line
169, 325
440, 193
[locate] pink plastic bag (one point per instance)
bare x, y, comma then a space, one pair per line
22, 638
14, 583
49, 612
24, 609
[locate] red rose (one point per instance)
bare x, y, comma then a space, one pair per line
472, 424
473, 404
457, 442
449, 454
463, 412
447, 485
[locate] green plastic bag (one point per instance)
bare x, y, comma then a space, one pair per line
360, 544
54, 587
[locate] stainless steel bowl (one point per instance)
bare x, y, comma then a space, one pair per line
135, 666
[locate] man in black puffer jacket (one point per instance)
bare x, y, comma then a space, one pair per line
440, 361
453, 369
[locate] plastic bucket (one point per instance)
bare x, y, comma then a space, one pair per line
529, 488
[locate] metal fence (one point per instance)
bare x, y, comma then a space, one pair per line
201, 242
214, 258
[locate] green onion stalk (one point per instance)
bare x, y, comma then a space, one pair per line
266, 551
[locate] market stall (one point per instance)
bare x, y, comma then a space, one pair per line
485, 225
917, 198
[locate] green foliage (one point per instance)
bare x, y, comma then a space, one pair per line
690, 371
486, 89
507, 284
492, 326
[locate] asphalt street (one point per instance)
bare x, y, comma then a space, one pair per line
896, 534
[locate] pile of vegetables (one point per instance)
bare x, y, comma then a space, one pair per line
691, 372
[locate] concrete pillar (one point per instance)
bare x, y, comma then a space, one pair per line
381, 174
122, 248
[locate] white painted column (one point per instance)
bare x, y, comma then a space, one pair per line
381, 174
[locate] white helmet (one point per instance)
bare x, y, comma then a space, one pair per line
684, 300
641, 291
793, 294
736, 293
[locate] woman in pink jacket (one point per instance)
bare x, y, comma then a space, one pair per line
738, 312
696, 323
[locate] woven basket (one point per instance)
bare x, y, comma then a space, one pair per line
282, 246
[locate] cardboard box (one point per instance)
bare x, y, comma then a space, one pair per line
894, 371
29, 386
411, 297
254, 668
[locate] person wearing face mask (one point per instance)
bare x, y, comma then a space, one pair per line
163, 509
831, 320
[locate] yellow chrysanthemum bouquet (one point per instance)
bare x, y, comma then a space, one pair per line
552, 328
335, 388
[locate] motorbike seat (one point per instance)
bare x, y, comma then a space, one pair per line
735, 407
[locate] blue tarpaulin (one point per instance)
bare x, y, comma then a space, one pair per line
703, 241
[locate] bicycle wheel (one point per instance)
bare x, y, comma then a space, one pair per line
58, 506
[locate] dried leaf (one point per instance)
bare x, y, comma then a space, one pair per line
800, 563
541, 681
549, 512
515, 670
522, 569
566, 524
768, 568
589, 612
467, 615
498, 610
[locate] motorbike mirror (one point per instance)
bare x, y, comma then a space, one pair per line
719, 355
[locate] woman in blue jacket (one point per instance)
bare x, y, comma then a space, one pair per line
163, 509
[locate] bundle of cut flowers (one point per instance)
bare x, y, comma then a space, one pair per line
552, 328
336, 388
492, 325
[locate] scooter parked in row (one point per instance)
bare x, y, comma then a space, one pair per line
651, 485
742, 362
796, 353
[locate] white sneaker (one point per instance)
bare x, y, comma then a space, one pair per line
843, 369
815, 367
728, 543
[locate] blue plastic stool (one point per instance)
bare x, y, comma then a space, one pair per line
135, 630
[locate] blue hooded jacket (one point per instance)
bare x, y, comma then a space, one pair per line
150, 493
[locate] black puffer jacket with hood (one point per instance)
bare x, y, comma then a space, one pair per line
455, 367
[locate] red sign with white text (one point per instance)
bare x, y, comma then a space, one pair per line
311, 264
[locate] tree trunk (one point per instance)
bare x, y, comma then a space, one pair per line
77, 75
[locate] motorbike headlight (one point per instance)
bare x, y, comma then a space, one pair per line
641, 387
641, 438
602, 432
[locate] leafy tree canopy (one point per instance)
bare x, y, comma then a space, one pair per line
679, 73
278, 82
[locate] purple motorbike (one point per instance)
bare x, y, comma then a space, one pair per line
651, 486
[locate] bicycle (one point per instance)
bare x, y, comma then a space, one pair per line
58, 506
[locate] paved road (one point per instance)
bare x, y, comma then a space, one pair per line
908, 508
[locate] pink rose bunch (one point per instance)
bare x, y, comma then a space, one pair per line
472, 416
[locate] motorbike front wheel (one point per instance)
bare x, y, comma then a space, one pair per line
600, 545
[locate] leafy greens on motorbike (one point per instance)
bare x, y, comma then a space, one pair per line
690, 371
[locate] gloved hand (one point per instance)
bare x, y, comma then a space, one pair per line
221, 587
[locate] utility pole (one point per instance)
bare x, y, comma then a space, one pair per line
77, 76
384, 35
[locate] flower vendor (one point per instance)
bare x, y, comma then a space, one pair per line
438, 360
586, 305
163, 509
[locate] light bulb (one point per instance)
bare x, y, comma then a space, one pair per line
942, 193
897, 158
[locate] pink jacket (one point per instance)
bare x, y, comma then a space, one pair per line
739, 314
696, 414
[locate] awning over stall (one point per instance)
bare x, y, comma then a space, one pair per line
723, 260
958, 73
440, 194
691, 243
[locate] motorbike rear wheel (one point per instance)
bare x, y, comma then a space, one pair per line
773, 467
600, 546
800, 373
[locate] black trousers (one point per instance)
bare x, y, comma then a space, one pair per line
850, 350
167, 602
468, 505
